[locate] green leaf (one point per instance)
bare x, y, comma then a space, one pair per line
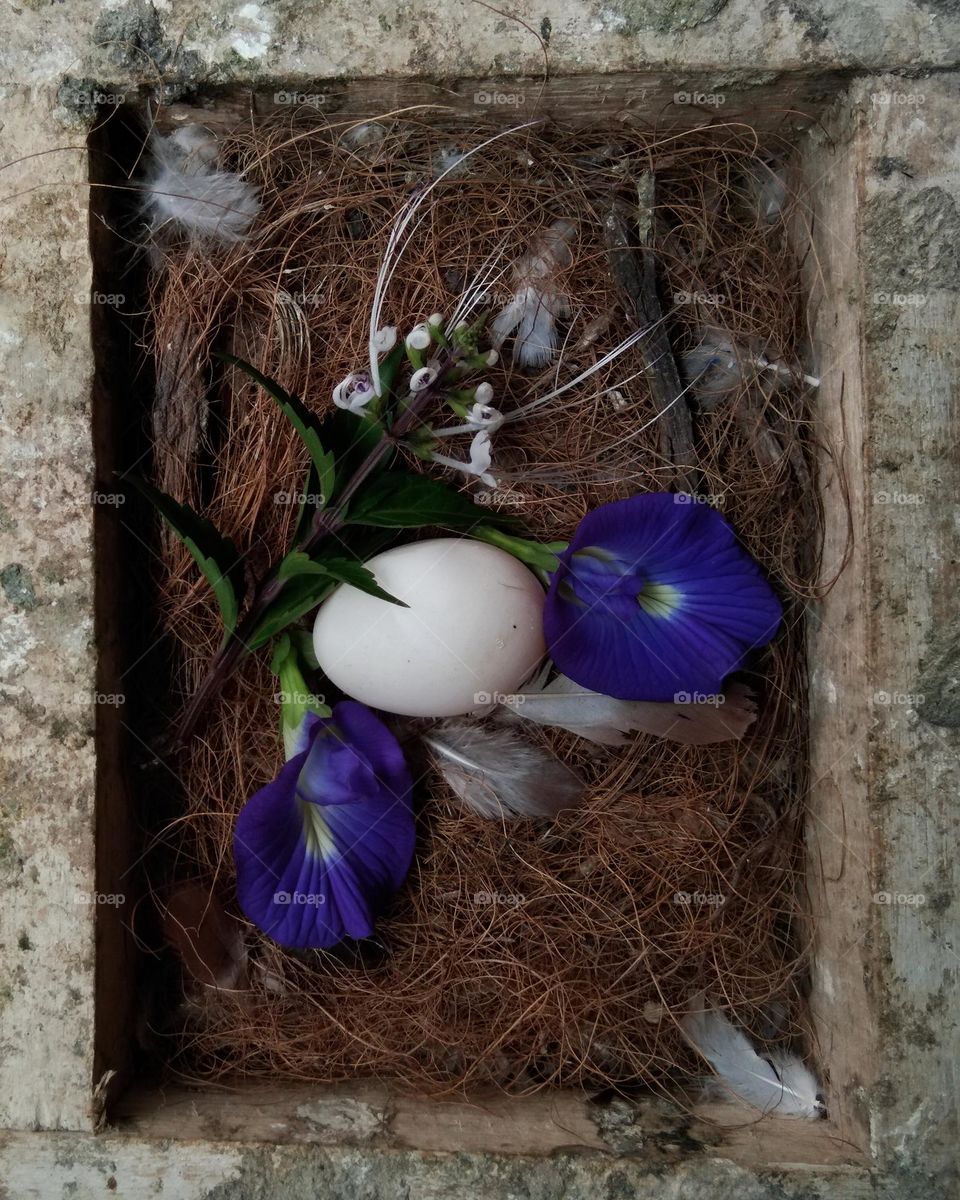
389, 368
349, 570
400, 500
308, 507
343, 570
306, 423
216, 556
352, 438
298, 597
306, 584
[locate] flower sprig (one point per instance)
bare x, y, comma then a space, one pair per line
354, 494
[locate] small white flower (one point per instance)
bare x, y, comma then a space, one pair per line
436, 320
418, 338
385, 339
484, 393
422, 379
354, 393
493, 358
484, 416
481, 457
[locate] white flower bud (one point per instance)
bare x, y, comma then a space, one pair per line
418, 338
484, 393
422, 379
385, 339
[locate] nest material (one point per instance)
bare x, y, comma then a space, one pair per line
520, 955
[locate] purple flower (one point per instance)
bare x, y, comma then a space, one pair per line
324, 846
654, 597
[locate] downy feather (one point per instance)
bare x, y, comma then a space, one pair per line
767, 188
184, 189
720, 366
780, 1084
567, 705
537, 303
497, 774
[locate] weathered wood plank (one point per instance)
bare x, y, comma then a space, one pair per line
884, 821
540, 1124
649, 99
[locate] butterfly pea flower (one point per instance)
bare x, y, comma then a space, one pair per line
322, 848
655, 597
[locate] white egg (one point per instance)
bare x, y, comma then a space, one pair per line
473, 630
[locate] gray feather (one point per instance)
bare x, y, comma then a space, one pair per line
497, 774
566, 705
186, 191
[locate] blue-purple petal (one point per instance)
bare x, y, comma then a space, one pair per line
325, 845
655, 597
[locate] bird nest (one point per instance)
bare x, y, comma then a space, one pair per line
521, 954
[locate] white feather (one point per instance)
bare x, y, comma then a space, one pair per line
184, 189
537, 303
781, 1084
566, 705
497, 774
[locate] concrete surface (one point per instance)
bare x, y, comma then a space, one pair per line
54, 59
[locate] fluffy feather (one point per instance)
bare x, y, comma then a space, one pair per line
767, 187
719, 367
184, 189
537, 303
603, 719
780, 1084
497, 774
